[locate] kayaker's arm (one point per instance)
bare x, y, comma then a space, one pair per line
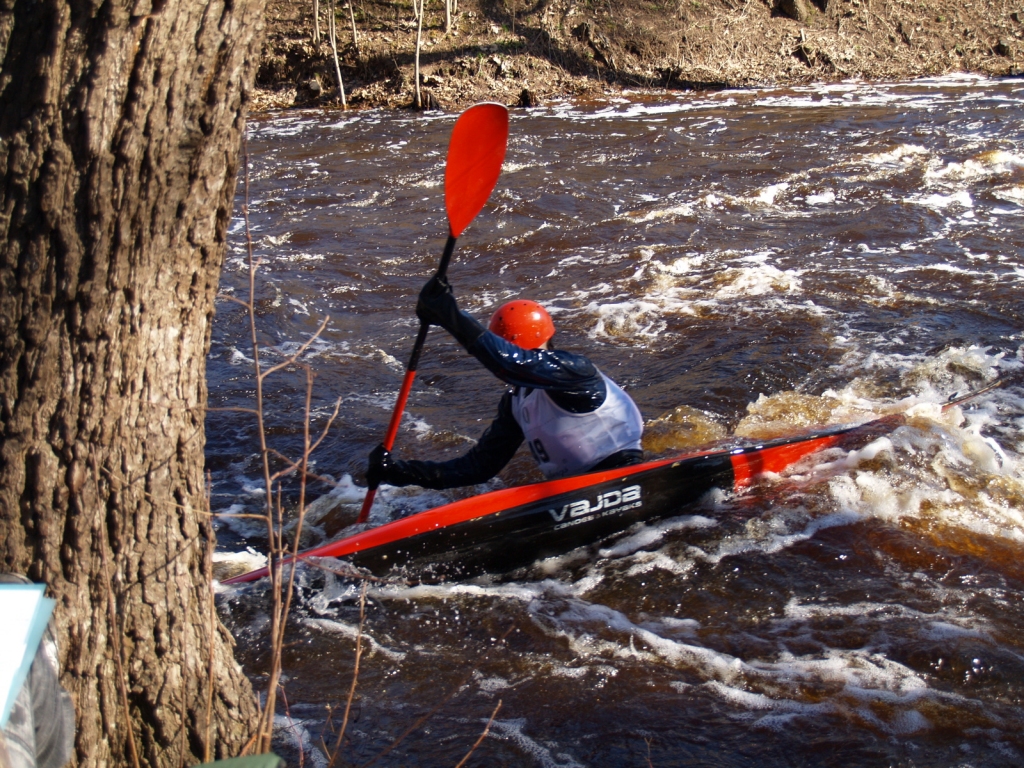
483, 461
571, 380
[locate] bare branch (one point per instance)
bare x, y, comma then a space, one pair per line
355, 675
250, 411
293, 358
229, 297
483, 736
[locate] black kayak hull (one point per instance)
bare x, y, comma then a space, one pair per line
503, 530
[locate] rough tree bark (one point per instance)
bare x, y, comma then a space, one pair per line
120, 123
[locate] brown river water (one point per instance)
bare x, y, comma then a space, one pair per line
743, 262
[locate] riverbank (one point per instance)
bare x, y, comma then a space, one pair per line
517, 55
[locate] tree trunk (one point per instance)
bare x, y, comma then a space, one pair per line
352, 18
417, 99
119, 132
333, 32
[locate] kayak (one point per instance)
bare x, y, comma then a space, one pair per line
502, 530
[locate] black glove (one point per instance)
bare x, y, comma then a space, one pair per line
436, 301
380, 466
436, 306
386, 469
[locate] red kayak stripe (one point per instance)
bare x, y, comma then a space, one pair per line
747, 466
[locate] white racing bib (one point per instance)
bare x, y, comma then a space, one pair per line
565, 443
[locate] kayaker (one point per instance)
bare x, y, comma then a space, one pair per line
573, 418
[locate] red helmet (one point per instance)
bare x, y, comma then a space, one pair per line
525, 323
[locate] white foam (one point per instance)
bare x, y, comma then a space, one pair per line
863, 676
683, 265
560, 670
646, 562
758, 701
243, 562
287, 728
775, 538
862, 611
519, 591
654, 532
280, 127
821, 198
491, 684
767, 195
931, 464
757, 281
515, 732
343, 492
627, 319
237, 357
983, 166
335, 627
941, 202
943, 631
345, 123
238, 519
901, 154
676, 211
1012, 194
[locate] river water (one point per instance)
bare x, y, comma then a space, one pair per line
746, 262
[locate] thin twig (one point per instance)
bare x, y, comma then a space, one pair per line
483, 736
295, 465
455, 691
266, 723
282, 588
279, 637
291, 724
355, 573
233, 515
326, 727
237, 409
252, 739
229, 297
355, 676
293, 358
415, 726
302, 464
327, 426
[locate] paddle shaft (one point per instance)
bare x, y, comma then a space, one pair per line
410, 375
476, 152
999, 382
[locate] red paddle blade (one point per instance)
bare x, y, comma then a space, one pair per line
475, 154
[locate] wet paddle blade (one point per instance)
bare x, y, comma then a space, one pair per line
475, 154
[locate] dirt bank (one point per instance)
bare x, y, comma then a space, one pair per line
518, 52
